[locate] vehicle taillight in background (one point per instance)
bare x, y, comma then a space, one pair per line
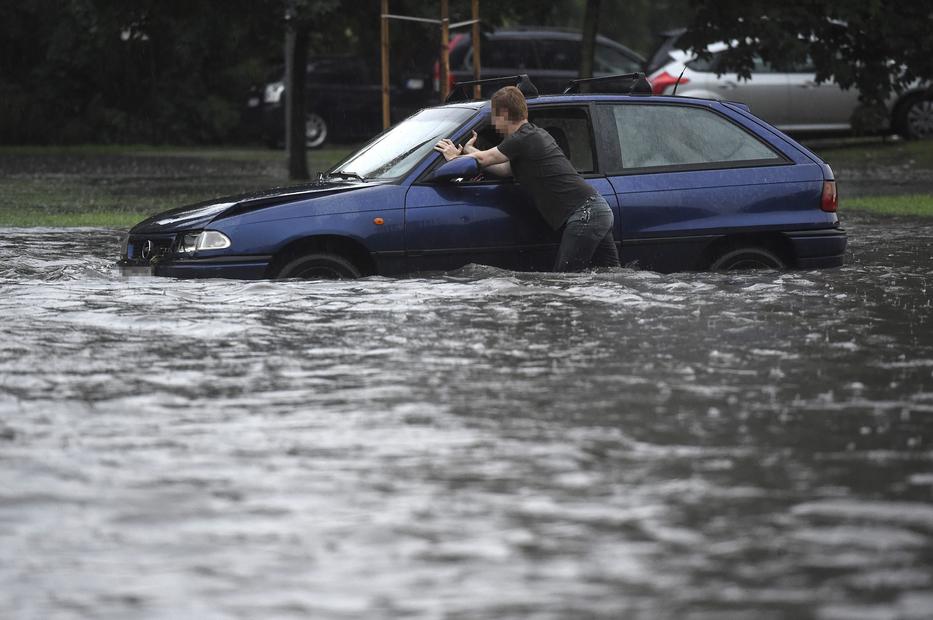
659, 83
450, 74
830, 199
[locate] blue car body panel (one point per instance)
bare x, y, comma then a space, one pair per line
664, 219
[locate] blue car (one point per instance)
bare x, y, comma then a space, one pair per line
694, 184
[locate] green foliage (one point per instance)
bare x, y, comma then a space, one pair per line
176, 71
915, 205
876, 46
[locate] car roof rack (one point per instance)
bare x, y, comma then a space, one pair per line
623, 83
460, 92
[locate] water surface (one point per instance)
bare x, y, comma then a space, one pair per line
479, 444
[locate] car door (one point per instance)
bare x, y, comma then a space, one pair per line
684, 174
818, 107
767, 92
490, 220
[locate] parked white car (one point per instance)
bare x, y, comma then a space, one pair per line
789, 99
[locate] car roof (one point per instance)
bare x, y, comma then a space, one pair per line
544, 32
586, 97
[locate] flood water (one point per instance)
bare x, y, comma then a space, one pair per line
479, 444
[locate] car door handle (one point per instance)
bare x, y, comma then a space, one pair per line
808, 84
728, 85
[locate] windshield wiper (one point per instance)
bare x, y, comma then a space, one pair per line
344, 175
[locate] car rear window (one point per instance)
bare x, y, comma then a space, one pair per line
679, 136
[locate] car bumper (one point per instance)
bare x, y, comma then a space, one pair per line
234, 267
815, 249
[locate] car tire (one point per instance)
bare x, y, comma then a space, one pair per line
913, 117
747, 258
320, 266
315, 130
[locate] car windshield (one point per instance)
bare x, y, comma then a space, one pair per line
396, 152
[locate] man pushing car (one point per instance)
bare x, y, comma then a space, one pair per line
560, 194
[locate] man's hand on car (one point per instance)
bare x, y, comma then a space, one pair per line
468, 146
448, 149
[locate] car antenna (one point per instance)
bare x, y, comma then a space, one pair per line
677, 83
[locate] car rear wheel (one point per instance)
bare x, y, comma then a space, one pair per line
747, 258
320, 266
315, 130
914, 117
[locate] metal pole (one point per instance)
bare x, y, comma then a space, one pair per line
445, 53
384, 37
477, 89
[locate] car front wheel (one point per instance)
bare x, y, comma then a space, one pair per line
747, 258
914, 118
320, 266
315, 130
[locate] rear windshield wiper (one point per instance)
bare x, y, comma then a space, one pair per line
344, 175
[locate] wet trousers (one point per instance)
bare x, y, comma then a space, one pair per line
587, 240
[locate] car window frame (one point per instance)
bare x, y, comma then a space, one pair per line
487, 118
612, 137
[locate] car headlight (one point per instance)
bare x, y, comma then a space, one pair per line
212, 240
206, 240
273, 92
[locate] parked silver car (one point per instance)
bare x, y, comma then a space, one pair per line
790, 99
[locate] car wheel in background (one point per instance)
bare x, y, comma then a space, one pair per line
320, 266
747, 258
315, 130
913, 118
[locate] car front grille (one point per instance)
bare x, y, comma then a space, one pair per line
143, 249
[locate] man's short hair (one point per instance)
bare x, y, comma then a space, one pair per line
510, 102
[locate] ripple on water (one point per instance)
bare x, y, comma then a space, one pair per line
480, 443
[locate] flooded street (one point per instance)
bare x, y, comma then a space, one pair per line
479, 444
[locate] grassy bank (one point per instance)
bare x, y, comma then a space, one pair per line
917, 205
868, 153
117, 186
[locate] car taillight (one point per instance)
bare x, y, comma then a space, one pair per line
437, 78
660, 82
454, 40
830, 199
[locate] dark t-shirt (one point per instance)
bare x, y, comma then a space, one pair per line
541, 167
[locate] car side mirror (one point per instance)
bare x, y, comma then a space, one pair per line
458, 168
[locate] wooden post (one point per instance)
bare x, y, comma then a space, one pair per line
445, 53
296, 61
477, 90
384, 37
588, 42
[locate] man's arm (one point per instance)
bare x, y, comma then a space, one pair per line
500, 170
492, 159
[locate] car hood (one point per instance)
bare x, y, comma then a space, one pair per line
199, 215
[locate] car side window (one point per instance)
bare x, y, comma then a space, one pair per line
684, 137
510, 53
711, 64
610, 60
559, 55
570, 128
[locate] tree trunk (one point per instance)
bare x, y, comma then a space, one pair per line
296, 61
588, 44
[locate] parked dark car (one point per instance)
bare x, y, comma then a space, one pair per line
343, 100
550, 57
693, 184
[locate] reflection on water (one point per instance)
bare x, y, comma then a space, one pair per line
480, 444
